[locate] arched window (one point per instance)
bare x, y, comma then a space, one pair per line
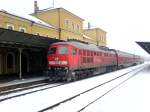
10, 26
22, 29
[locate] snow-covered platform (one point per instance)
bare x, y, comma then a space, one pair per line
18, 82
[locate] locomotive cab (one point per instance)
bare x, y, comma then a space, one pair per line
62, 58
58, 56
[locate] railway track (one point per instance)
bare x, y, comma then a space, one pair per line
53, 89
27, 90
105, 93
133, 72
21, 88
13, 93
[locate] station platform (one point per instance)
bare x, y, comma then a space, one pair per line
19, 82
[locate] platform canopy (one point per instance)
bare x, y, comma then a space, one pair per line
145, 46
19, 39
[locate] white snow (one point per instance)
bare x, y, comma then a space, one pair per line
37, 101
22, 81
132, 96
28, 17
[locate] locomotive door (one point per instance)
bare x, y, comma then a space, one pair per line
73, 56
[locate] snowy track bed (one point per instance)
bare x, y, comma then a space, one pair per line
84, 100
28, 90
40, 100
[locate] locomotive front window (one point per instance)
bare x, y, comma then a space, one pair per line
63, 50
52, 50
73, 51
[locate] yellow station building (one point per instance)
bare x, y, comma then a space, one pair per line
56, 23
27, 24
98, 35
68, 24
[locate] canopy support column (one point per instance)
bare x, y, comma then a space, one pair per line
20, 63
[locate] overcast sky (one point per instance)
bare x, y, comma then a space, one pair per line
125, 21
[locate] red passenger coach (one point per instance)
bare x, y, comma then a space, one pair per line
74, 60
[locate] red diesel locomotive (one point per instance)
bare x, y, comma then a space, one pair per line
74, 60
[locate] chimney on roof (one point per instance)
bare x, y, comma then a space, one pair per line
36, 8
89, 25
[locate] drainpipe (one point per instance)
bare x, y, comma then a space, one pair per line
97, 41
59, 28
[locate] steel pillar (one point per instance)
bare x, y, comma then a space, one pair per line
20, 63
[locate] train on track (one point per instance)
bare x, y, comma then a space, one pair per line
72, 60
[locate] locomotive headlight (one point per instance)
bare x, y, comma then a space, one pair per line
63, 62
51, 62
58, 62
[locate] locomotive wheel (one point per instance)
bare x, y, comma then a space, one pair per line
71, 77
68, 79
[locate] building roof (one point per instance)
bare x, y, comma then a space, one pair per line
51, 9
145, 46
20, 39
87, 37
94, 28
28, 18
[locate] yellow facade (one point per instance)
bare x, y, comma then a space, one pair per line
53, 23
98, 35
70, 26
18, 23
58, 23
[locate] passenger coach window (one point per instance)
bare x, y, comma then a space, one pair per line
84, 52
63, 50
52, 50
80, 52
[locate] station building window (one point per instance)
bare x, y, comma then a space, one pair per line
67, 24
22, 29
78, 28
37, 33
10, 26
73, 27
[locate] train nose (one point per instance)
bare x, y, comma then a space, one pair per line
56, 58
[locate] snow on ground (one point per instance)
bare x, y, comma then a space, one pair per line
132, 96
81, 101
13, 82
37, 101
